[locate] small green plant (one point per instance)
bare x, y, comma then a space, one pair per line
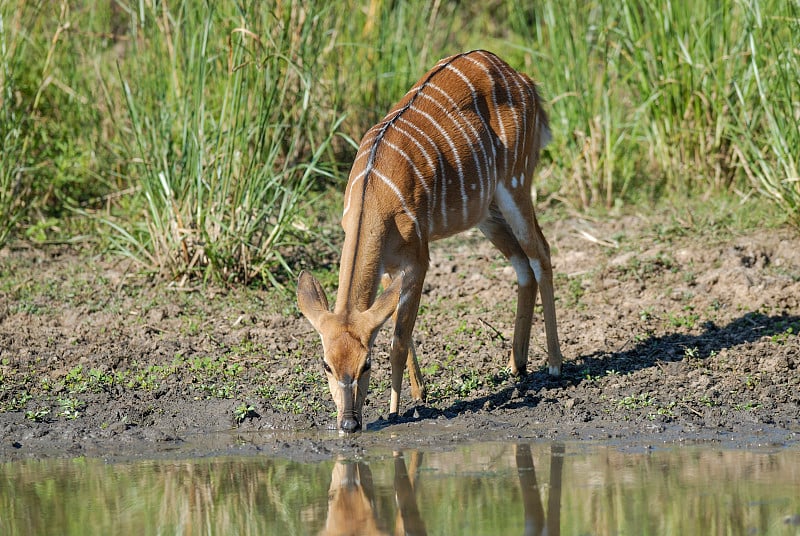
430, 369
70, 408
384, 384
691, 352
37, 415
664, 411
462, 328
470, 381
706, 401
589, 377
99, 380
747, 406
243, 411
751, 381
147, 379
17, 402
75, 381
46, 384
687, 319
790, 333
633, 402
224, 390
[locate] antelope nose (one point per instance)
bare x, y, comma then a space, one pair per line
350, 425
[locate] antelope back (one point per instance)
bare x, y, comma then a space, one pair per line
433, 163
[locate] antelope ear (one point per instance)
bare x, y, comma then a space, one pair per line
385, 305
311, 298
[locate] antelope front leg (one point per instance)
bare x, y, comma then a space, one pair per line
402, 351
418, 390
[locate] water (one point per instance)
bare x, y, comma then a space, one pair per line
477, 489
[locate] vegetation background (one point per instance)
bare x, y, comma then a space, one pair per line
206, 139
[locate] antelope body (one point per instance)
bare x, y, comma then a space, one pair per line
458, 151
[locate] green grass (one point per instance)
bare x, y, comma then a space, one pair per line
197, 138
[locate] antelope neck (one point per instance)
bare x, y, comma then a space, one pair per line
360, 270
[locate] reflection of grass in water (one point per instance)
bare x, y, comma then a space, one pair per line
606, 491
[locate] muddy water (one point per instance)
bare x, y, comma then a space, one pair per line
478, 489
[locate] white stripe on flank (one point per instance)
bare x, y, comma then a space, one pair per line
499, 70
439, 157
486, 128
468, 82
460, 128
526, 100
400, 197
422, 149
483, 174
503, 136
457, 157
419, 176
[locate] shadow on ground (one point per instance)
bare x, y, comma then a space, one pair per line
649, 352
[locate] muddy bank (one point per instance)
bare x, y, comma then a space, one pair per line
668, 335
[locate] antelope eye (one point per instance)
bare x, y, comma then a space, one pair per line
327, 367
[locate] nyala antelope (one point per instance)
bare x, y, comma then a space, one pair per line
458, 151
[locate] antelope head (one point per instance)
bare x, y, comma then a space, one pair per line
347, 339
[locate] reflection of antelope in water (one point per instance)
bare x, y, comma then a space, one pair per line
352, 508
351, 499
535, 521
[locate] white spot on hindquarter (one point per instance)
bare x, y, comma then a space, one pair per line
536, 266
505, 201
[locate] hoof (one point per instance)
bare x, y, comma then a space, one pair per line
350, 426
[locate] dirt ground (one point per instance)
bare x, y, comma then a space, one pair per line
670, 332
